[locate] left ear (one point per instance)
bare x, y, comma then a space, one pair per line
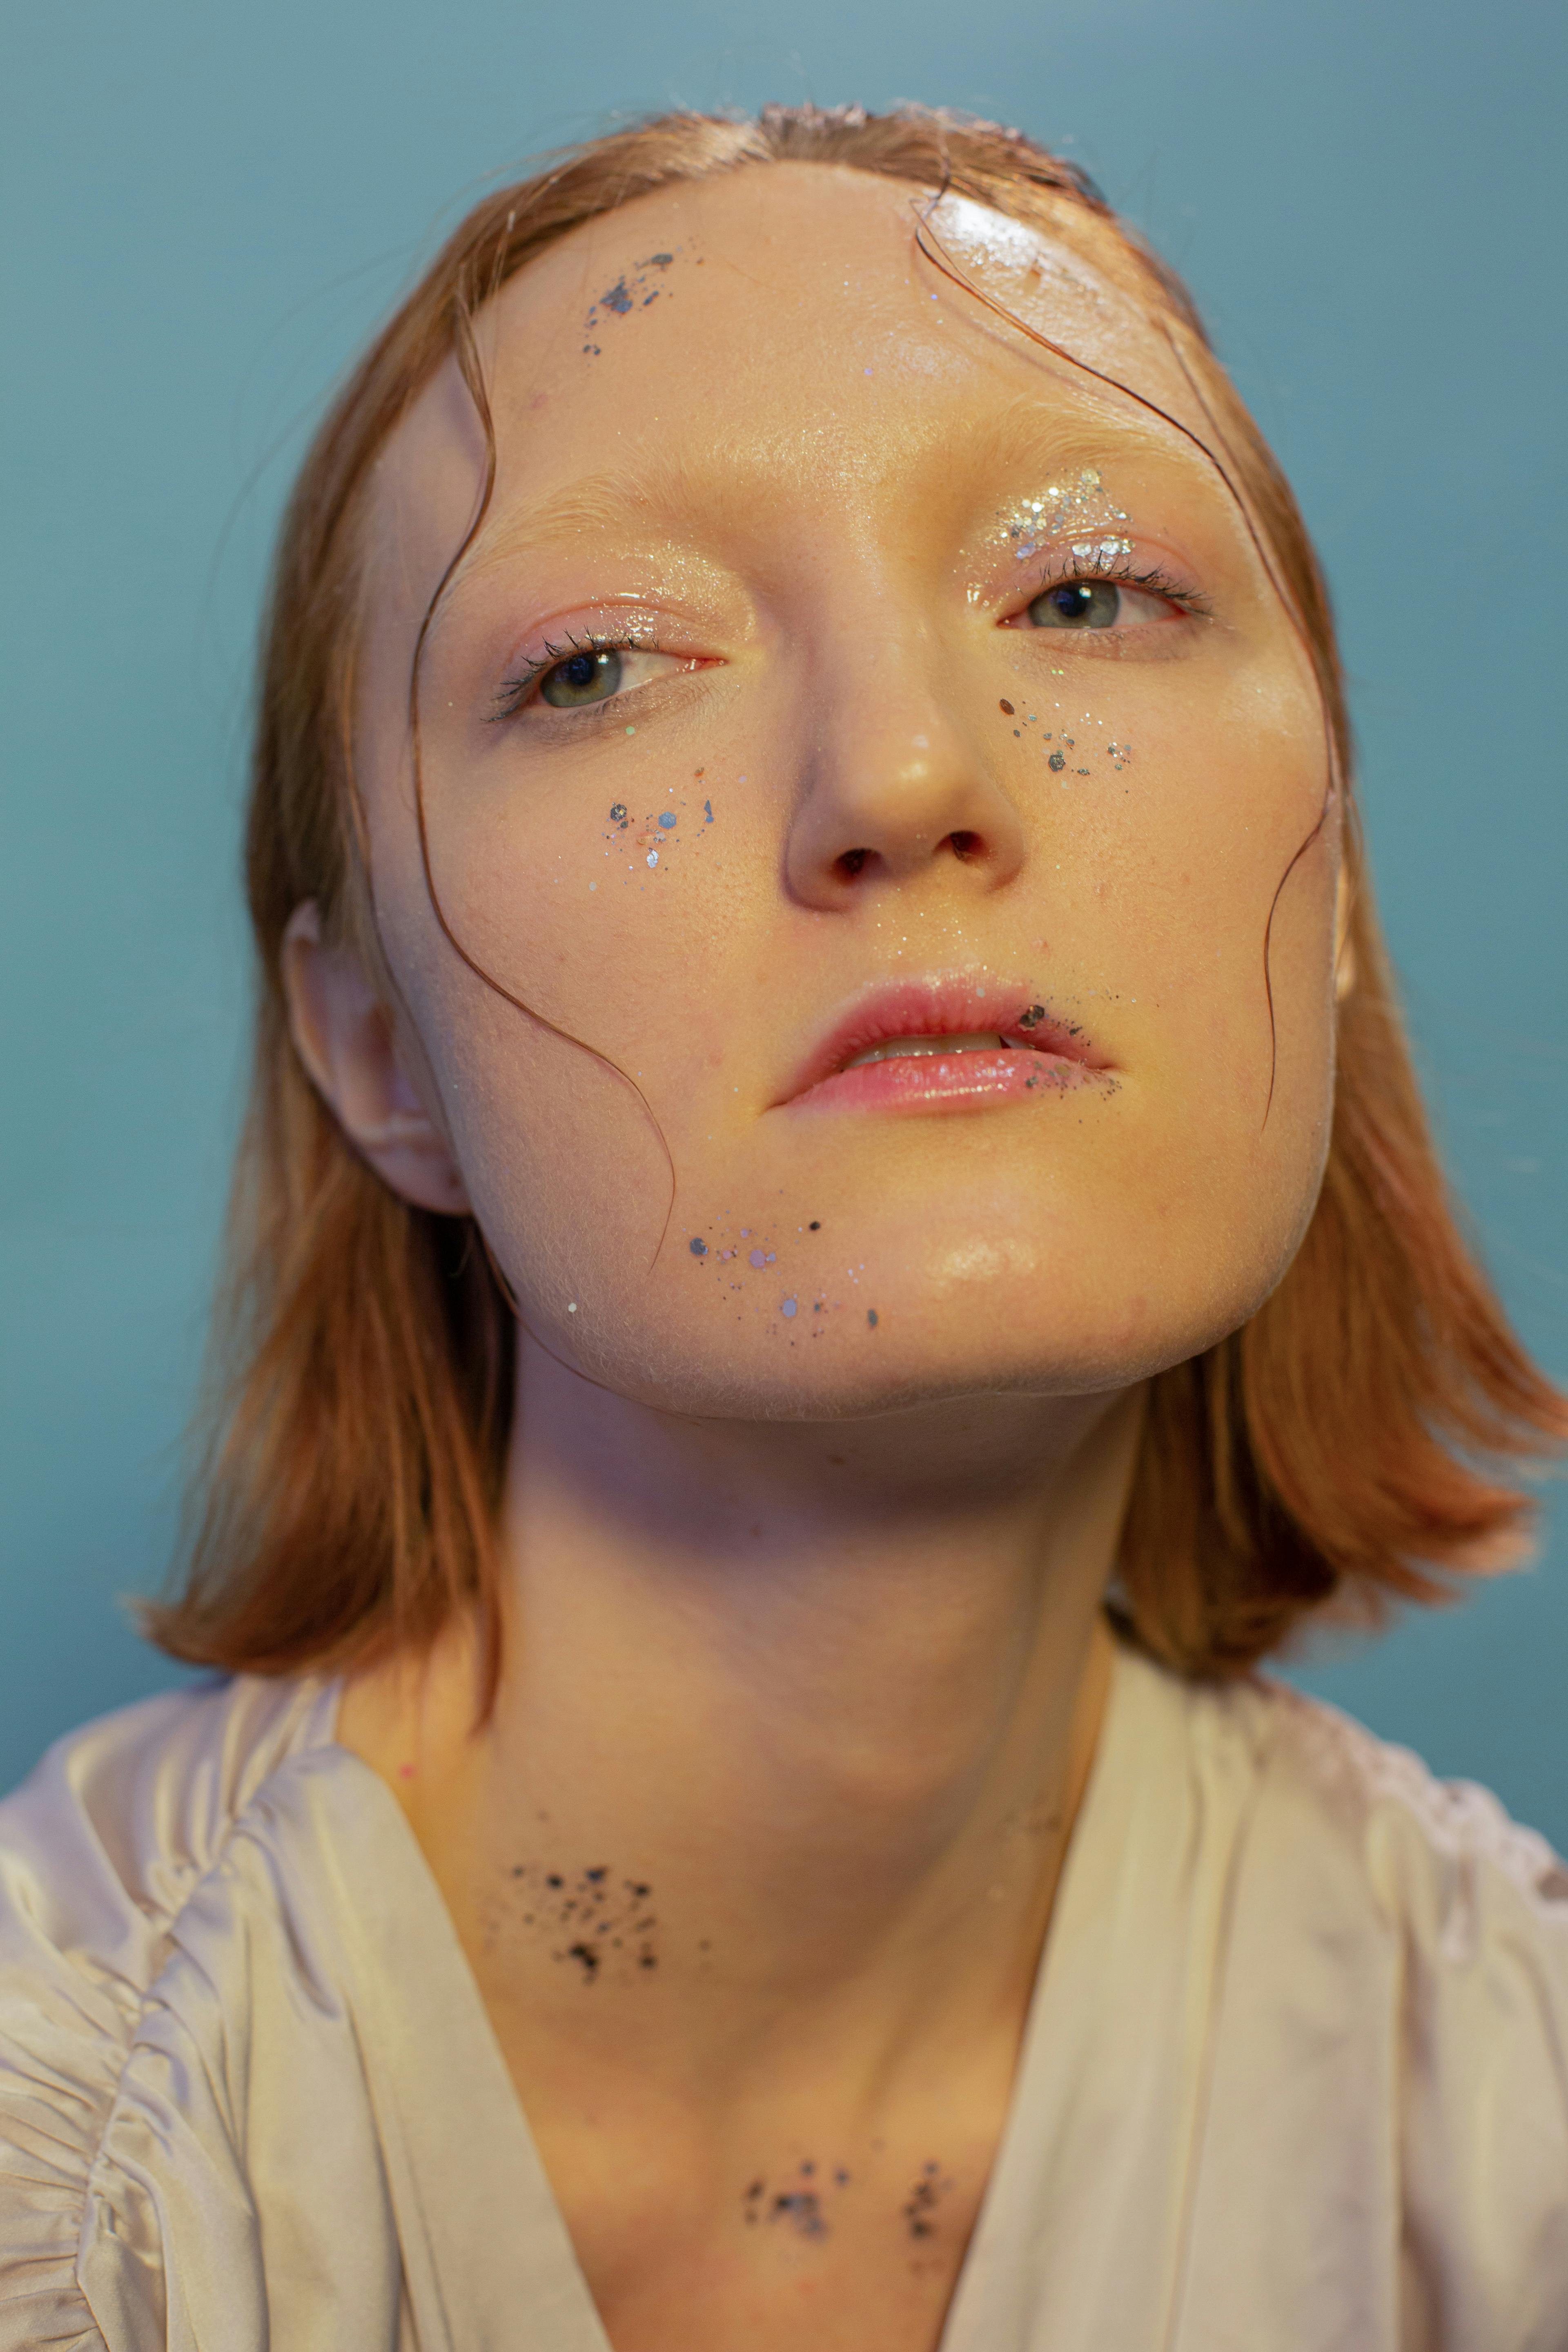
1344, 948
346, 1036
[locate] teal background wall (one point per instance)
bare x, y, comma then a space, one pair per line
204, 208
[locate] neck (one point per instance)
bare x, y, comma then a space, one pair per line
793, 1719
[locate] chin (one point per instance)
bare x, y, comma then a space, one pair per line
939, 1320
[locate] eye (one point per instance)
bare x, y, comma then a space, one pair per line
1096, 605
580, 677
585, 678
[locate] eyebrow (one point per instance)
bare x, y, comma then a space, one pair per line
666, 490
660, 490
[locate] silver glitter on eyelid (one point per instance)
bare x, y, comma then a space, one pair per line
1080, 502
1099, 550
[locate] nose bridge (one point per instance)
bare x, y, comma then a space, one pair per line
895, 783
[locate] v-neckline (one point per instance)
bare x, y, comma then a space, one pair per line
483, 2235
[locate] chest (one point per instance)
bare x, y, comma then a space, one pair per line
855, 2249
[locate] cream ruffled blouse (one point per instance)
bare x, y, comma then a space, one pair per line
1295, 2077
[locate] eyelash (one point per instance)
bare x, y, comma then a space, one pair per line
515, 693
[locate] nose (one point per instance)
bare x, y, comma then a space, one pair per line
896, 794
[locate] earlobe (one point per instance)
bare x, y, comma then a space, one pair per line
347, 1038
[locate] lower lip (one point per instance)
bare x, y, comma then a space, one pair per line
969, 1080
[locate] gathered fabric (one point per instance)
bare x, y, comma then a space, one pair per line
1294, 2075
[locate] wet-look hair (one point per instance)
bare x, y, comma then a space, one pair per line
1359, 1439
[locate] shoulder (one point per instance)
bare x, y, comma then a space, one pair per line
1398, 1970
1440, 1862
100, 1851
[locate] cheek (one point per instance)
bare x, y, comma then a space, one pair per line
1172, 872
611, 901
589, 1007
1175, 847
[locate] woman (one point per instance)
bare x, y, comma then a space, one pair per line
836, 1240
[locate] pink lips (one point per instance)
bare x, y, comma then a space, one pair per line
1041, 1051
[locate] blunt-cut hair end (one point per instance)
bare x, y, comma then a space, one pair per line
1358, 1442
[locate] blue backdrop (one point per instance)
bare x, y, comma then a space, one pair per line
205, 206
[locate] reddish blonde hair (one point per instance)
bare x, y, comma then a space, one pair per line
1348, 1442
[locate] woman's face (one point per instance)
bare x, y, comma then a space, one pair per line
837, 672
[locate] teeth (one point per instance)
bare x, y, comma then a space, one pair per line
896, 1048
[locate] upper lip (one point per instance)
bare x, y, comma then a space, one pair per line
955, 1005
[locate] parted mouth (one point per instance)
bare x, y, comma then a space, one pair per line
944, 1017
906, 1048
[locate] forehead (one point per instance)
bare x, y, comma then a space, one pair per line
785, 317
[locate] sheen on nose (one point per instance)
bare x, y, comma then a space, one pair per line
896, 805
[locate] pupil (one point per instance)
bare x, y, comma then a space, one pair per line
587, 677
1078, 604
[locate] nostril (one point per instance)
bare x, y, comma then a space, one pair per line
966, 847
851, 862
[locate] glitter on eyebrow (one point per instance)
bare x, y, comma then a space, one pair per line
790, 1308
653, 857
1063, 504
668, 818
699, 1246
618, 812
758, 1258
871, 1317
